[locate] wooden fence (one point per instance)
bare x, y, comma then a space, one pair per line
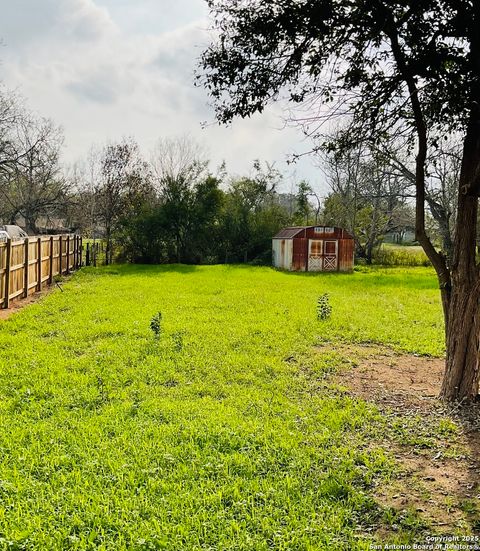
27, 265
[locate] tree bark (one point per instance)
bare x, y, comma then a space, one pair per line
459, 283
460, 381
462, 323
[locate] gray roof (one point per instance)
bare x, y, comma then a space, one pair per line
288, 233
14, 232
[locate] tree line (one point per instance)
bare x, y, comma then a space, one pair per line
173, 208
169, 208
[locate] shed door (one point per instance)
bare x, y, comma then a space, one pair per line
330, 257
299, 254
315, 255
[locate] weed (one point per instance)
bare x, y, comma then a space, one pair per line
324, 309
397, 255
156, 325
177, 338
102, 397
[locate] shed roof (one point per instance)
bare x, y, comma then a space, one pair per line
288, 233
295, 231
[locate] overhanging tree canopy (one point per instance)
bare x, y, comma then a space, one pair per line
385, 64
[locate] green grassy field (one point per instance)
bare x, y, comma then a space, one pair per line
224, 434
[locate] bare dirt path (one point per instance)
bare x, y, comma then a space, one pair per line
19, 304
440, 481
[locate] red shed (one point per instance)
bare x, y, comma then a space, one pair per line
313, 249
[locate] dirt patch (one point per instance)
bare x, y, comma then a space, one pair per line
440, 479
18, 304
384, 376
442, 491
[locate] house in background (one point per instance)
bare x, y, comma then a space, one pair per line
313, 249
47, 226
401, 235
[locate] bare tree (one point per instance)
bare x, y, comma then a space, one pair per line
12, 111
179, 165
442, 189
124, 182
178, 158
32, 183
82, 179
442, 175
366, 195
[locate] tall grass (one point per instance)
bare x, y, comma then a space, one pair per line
391, 255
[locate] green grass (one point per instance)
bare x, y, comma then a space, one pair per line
223, 433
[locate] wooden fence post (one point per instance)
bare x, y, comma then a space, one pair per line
6, 302
68, 255
75, 252
50, 268
39, 264
26, 244
60, 256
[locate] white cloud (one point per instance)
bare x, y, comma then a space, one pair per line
101, 75
29, 24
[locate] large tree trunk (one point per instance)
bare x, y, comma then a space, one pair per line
462, 319
31, 224
460, 382
462, 323
459, 283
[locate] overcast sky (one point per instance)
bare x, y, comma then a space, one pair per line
104, 69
